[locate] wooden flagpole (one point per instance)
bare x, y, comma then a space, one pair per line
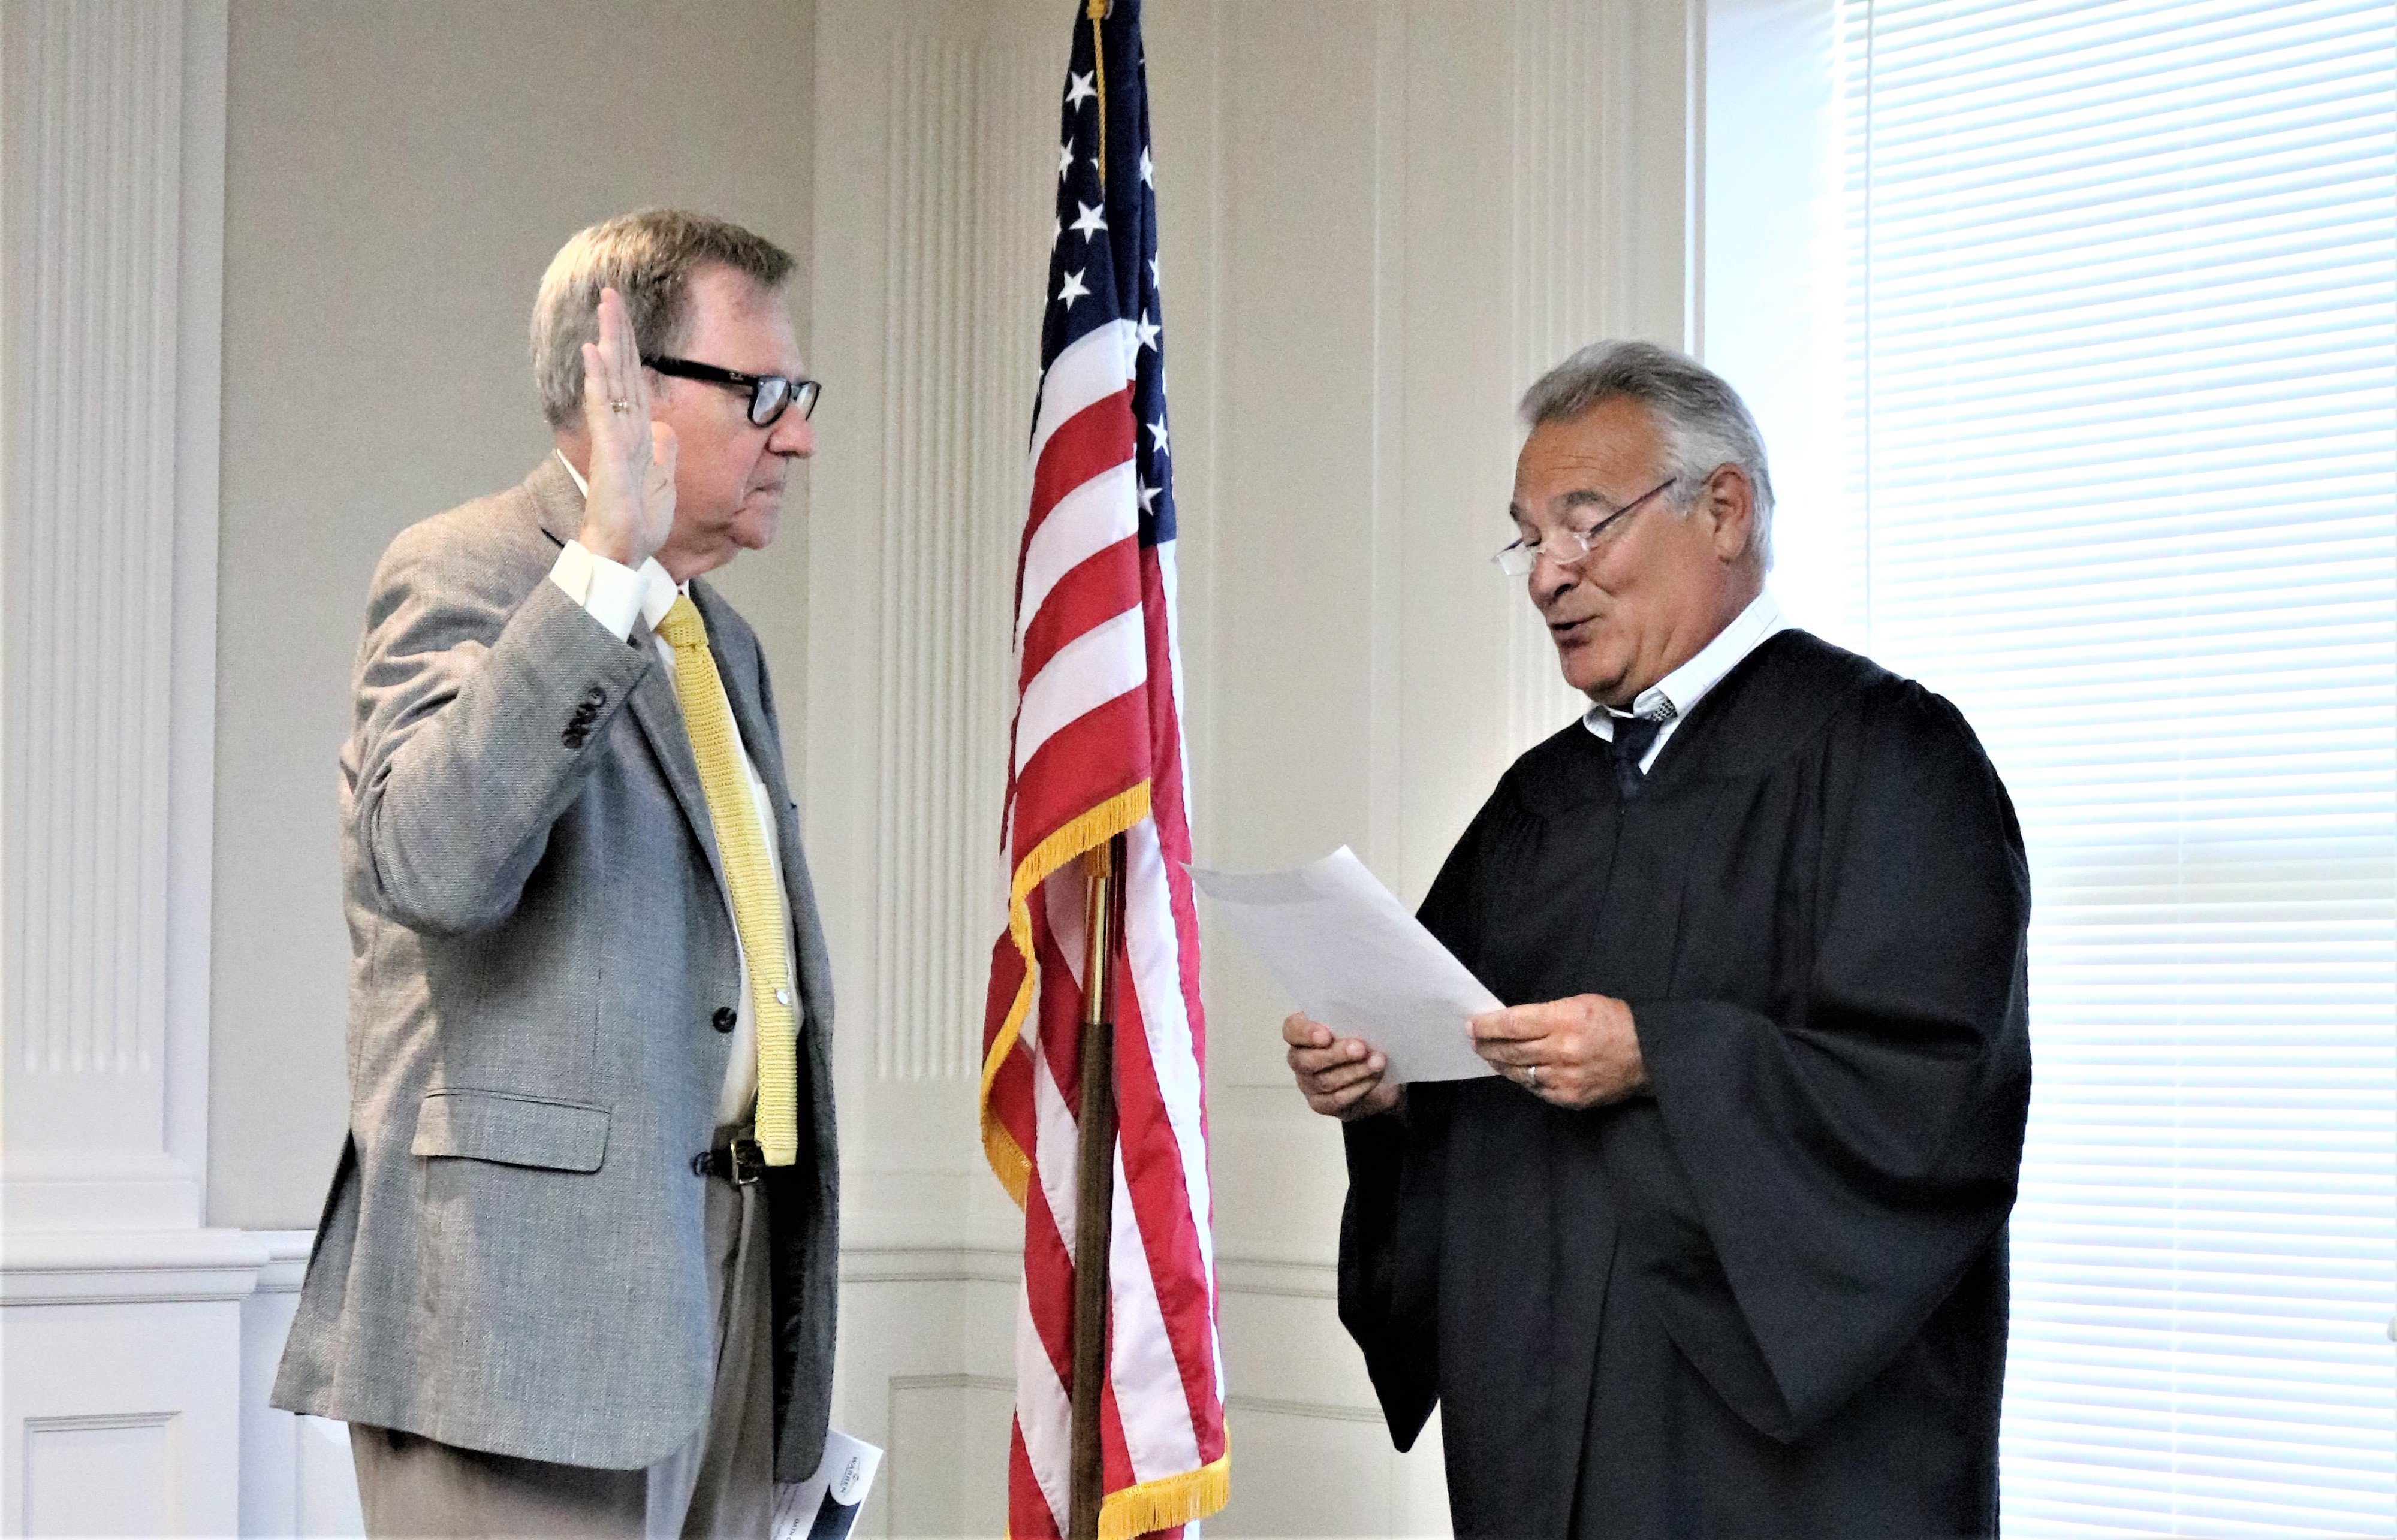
1094, 1162
1095, 1186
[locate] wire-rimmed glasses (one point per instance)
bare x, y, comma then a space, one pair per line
1567, 546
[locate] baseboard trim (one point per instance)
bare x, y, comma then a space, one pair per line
1322, 1411
102, 1266
133, 1266
286, 1260
929, 1264
1276, 1277
1269, 1277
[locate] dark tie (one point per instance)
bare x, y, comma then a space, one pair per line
1632, 736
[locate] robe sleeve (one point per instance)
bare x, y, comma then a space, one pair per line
1803, 1192
1388, 1256
1390, 1224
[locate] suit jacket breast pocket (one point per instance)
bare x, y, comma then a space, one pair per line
511, 1129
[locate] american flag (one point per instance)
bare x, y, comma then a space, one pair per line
1097, 751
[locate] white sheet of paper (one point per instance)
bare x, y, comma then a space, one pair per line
825, 1505
1354, 959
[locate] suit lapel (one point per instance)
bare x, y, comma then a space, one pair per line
557, 501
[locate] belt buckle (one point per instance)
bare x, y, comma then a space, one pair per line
748, 1161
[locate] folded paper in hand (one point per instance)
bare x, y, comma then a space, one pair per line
1354, 959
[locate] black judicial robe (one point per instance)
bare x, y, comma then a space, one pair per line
1769, 1297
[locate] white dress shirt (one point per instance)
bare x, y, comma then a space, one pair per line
613, 595
1674, 696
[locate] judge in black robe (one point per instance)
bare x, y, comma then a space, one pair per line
1756, 1283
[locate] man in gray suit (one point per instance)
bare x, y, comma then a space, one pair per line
576, 1271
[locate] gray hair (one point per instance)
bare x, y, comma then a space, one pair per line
1701, 418
648, 257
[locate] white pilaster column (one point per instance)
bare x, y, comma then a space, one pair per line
121, 1313
1606, 168
114, 139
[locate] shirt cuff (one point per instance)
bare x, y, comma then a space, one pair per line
609, 591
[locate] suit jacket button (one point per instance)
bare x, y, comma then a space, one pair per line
724, 1018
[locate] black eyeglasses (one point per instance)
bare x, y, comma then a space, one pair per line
769, 395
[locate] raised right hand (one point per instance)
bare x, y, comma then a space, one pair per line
1339, 1079
630, 509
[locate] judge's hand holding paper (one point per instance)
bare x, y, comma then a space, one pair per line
1383, 1003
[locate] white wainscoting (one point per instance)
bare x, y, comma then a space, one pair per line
926, 1339
120, 1317
138, 1374
134, 1370
926, 1372
948, 1475
296, 1476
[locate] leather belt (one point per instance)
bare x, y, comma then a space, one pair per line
741, 1162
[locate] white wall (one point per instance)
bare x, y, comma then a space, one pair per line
396, 178
1381, 219
361, 199
1379, 222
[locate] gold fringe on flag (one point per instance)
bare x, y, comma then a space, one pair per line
1168, 1501
1086, 831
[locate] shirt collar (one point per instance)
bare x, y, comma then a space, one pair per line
1678, 694
658, 586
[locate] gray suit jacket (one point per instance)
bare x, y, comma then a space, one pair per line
511, 1256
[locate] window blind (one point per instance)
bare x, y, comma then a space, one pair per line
2119, 439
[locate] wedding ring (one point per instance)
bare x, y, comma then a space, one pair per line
1531, 1077
620, 404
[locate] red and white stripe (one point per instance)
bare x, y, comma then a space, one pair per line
1098, 751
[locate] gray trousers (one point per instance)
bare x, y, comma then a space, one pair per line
722, 1483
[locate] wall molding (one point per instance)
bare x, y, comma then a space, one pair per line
115, 1266
1324, 1410
120, 1391
952, 1382
930, 1264
1567, 193
1606, 226
130, 1266
179, 1330
112, 210
1276, 1277
1279, 1277
963, 257
292, 1473
929, 1471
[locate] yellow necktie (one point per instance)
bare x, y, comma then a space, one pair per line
756, 907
